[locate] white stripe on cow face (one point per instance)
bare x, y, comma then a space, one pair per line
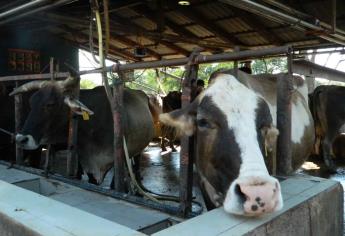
239, 104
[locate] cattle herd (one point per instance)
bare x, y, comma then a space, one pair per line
233, 120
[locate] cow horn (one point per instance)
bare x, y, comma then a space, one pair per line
71, 81
29, 86
77, 106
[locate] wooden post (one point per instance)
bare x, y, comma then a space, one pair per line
187, 145
72, 157
119, 176
50, 153
284, 94
236, 49
18, 109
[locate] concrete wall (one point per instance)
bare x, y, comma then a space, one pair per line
312, 206
25, 213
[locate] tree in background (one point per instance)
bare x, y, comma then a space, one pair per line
87, 84
269, 65
146, 80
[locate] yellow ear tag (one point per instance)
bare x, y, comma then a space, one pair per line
86, 116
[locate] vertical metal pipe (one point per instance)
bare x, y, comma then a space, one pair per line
284, 95
119, 176
18, 109
187, 146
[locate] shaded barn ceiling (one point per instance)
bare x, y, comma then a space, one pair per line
164, 29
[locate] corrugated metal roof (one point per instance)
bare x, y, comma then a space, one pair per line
178, 18
233, 25
215, 10
126, 12
145, 23
141, 40
252, 39
199, 30
214, 13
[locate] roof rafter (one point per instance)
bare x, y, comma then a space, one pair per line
172, 46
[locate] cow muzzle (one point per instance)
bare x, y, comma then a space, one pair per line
26, 142
254, 196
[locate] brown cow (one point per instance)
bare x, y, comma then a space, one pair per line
234, 120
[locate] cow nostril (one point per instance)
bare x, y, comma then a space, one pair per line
240, 194
22, 140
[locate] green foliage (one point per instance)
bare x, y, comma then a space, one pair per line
148, 78
87, 84
270, 65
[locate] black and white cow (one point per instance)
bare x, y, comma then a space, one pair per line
328, 109
234, 121
47, 122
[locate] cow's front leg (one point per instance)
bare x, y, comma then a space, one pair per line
327, 156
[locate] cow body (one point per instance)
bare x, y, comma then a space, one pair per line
171, 102
327, 105
233, 120
47, 123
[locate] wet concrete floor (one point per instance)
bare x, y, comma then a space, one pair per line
160, 171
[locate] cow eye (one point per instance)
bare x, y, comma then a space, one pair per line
50, 104
203, 123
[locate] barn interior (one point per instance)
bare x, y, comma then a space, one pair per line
149, 32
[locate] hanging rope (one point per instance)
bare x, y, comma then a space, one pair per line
160, 86
132, 176
101, 53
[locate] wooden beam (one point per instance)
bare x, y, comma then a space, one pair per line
202, 20
128, 22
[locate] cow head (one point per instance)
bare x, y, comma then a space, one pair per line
233, 126
48, 118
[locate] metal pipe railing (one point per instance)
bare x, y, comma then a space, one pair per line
241, 55
23, 7
39, 9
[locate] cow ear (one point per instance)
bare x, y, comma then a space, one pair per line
77, 107
182, 119
270, 134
